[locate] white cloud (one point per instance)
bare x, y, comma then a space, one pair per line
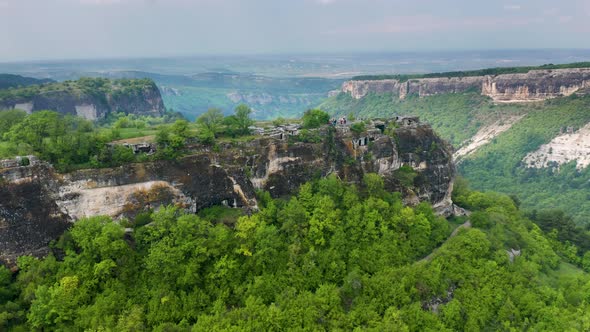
326, 2
100, 2
512, 7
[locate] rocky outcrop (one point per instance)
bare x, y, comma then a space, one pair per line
141, 97
37, 204
485, 135
536, 85
532, 86
570, 145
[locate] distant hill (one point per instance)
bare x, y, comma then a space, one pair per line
15, 81
91, 98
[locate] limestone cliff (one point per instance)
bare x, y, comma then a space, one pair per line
37, 204
532, 86
570, 145
89, 98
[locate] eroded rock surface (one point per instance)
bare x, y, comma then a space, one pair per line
535, 85
485, 135
565, 148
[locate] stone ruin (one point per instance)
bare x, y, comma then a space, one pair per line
144, 147
278, 132
19, 162
376, 128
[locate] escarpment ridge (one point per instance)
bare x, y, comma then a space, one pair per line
37, 204
90, 98
534, 85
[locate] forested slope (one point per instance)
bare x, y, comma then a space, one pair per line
497, 165
333, 257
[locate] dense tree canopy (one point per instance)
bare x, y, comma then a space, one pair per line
333, 257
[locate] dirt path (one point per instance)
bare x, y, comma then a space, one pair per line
465, 225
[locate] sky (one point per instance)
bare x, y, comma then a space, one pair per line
75, 29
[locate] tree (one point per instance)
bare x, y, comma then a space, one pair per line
171, 140
180, 128
239, 123
9, 119
358, 128
315, 118
243, 119
36, 127
211, 120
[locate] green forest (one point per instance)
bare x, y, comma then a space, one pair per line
334, 257
69, 142
496, 166
96, 87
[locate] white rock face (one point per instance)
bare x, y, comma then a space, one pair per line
536, 85
484, 135
87, 111
275, 164
80, 199
562, 150
27, 107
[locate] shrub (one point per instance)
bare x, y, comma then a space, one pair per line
315, 118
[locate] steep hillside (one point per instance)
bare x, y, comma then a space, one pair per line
15, 81
501, 146
332, 257
414, 160
88, 98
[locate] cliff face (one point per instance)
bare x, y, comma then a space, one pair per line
533, 86
140, 97
37, 204
536, 85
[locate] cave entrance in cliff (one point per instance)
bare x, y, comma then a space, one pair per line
381, 127
361, 142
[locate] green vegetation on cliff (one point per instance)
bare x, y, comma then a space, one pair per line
97, 87
70, 142
471, 73
496, 166
333, 257
456, 117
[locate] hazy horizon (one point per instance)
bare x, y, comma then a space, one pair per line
114, 29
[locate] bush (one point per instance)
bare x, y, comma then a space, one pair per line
406, 175
315, 118
358, 128
24, 161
